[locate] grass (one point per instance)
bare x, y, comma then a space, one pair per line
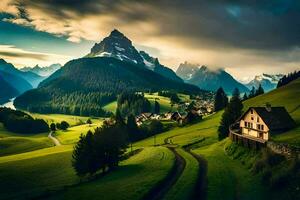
287, 96
228, 178
71, 135
26, 175
57, 118
184, 187
12, 143
188, 134
112, 107
131, 181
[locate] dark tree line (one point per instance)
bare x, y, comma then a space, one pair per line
20, 122
76, 103
221, 100
104, 148
254, 92
231, 113
132, 104
288, 78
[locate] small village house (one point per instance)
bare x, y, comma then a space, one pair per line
257, 124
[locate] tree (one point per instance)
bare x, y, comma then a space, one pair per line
156, 107
174, 98
53, 127
64, 125
232, 112
119, 119
245, 97
83, 155
155, 127
259, 91
102, 149
221, 100
252, 92
89, 122
133, 130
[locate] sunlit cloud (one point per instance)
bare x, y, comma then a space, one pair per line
217, 33
20, 58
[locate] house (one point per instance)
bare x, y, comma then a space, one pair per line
176, 116
259, 123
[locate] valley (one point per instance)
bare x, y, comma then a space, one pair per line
42, 170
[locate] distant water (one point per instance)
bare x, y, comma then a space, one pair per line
9, 104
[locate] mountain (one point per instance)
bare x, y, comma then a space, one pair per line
7, 91
42, 71
20, 84
32, 78
90, 83
208, 79
118, 46
187, 70
267, 81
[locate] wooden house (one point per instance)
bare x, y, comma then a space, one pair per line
259, 123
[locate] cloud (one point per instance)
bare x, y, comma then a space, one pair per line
233, 34
20, 57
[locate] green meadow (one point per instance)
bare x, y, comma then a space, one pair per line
31, 167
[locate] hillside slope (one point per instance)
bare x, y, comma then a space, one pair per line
7, 91
92, 82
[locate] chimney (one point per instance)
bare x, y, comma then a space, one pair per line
268, 107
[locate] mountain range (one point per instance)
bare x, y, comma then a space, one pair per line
113, 66
267, 81
209, 79
42, 71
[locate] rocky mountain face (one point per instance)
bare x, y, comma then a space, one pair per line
118, 46
267, 81
209, 79
42, 71
187, 70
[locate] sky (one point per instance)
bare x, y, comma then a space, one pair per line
245, 37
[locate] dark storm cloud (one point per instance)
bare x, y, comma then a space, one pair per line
23, 55
252, 24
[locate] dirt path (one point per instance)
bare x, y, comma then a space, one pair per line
54, 139
160, 189
201, 185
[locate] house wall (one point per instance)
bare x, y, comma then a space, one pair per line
255, 120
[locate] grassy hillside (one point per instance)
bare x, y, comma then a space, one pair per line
32, 174
12, 143
71, 135
131, 181
289, 97
57, 118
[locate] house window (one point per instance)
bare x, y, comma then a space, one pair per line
258, 126
262, 127
251, 111
251, 125
252, 118
257, 119
246, 124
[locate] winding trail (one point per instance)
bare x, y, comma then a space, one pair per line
201, 185
160, 189
54, 139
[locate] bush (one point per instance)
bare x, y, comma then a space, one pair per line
64, 125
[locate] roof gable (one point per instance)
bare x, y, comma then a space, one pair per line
276, 119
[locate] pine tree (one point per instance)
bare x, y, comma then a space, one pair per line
156, 107
133, 130
245, 97
259, 90
252, 92
221, 100
232, 112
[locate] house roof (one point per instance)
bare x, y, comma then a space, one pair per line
277, 118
